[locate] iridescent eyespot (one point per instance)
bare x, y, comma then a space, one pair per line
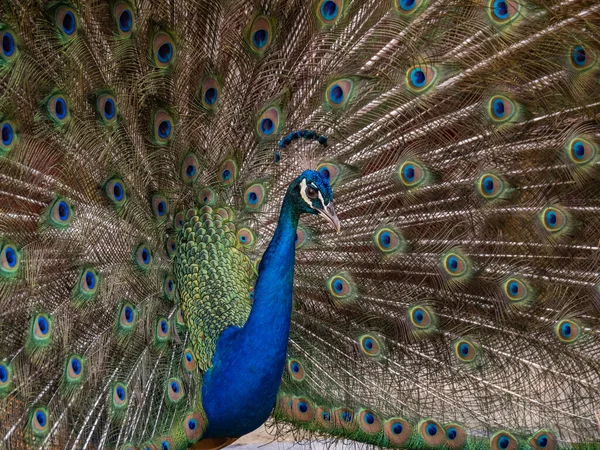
516, 290
503, 440
60, 213
370, 346
10, 260
324, 418
411, 173
329, 11
503, 11
8, 136
339, 93
387, 240
127, 317
369, 422
115, 190
268, 123
124, 18
420, 78
582, 58
206, 196
107, 108
209, 93
169, 287
189, 360
143, 257
568, 331
74, 369
465, 350
455, 264
397, 431
5, 378
163, 127
421, 318
9, 45
260, 35
163, 48
341, 287
228, 172
162, 330
543, 440
179, 220
190, 168
329, 171
302, 409
255, 195
160, 207
406, 7
553, 219
302, 237
66, 21
432, 432
58, 109
246, 237
295, 369
193, 425
119, 396
174, 391
171, 247
581, 151
344, 417
489, 186
88, 284
501, 109
41, 330
456, 435
39, 421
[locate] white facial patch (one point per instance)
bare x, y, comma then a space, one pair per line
304, 196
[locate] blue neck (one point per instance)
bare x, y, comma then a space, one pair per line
240, 390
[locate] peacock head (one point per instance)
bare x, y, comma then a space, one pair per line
312, 194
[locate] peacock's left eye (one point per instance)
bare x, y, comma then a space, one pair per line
311, 192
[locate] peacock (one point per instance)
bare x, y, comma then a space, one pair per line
173, 270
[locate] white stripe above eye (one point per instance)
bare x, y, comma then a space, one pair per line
308, 201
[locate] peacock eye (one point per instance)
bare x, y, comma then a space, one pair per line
311, 193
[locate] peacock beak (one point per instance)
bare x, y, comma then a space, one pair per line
329, 213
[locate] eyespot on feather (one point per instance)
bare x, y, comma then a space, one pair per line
10, 260
456, 435
193, 425
397, 431
189, 360
10, 48
171, 247
268, 123
295, 369
422, 318
420, 78
503, 12
407, 7
260, 35
174, 392
344, 418
163, 127
302, 237
339, 93
501, 109
228, 172
568, 331
455, 264
581, 151
553, 219
106, 106
432, 432
190, 168
124, 19
341, 287
87, 287
160, 207
411, 173
255, 195
324, 418
58, 107
370, 345
74, 369
329, 171
67, 22
5, 378
127, 317
246, 237
206, 196
503, 440
543, 440
163, 50
162, 331
40, 330
119, 396
39, 421
115, 191
489, 186
302, 409
465, 350
329, 11
210, 93
169, 285
8, 136
369, 422
582, 58
388, 241
516, 290
143, 257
